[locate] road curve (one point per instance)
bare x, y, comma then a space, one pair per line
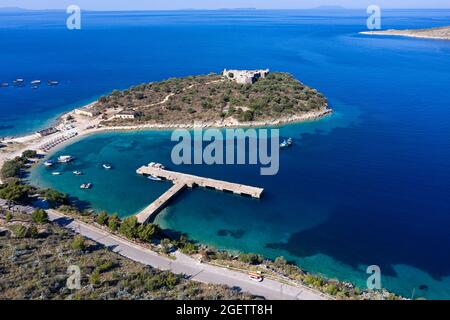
183, 264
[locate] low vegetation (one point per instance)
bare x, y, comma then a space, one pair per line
210, 98
35, 257
14, 168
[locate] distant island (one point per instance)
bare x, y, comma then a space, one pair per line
441, 33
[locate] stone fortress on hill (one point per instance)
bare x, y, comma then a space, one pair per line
245, 76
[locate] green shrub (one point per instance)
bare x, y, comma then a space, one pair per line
29, 154
8, 216
40, 216
247, 115
102, 218
19, 231
114, 222
79, 243
11, 169
129, 227
105, 266
164, 279
55, 198
94, 278
331, 289
314, 281
147, 232
32, 232
250, 258
14, 191
189, 248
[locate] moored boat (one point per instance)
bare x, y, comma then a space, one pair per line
4, 84
286, 143
19, 82
86, 186
106, 166
154, 178
156, 165
65, 159
52, 82
35, 82
56, 173
77, 173
48, 163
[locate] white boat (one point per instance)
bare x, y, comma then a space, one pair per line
77, 173
156, 165
286, 143
56, 173
52, 83
4, 84
35, 82
18, 82
86, 186
65, 159
48, 163
290, 141
107, 166
154, 178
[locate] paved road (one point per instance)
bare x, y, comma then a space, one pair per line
182, 264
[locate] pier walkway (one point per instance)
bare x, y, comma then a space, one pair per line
149, 213
182, 180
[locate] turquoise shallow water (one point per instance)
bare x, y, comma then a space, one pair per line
368, 185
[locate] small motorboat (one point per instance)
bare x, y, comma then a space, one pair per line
35, 82
77, 173
107, 166
19, 82
4, 84
65, 159
86, 186
156, 165
52, 82
154, 178
286, 143
48, 163
56, 173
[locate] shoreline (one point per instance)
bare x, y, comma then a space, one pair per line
82, 127
405, 33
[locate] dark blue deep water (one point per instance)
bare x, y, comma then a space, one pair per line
368, 185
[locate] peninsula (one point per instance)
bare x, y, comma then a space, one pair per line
441, 33
234, 98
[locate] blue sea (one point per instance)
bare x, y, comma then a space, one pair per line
368, 185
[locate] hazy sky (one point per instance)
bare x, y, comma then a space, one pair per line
215, 4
